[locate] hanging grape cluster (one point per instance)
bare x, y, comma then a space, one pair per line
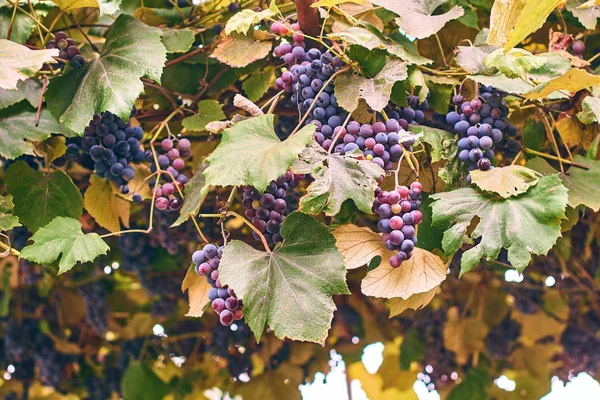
170, 157
68, 51
224, 301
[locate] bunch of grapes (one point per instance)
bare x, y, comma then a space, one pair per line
399, 213
413, 114
224, 301
237, 346
96, 305
481, 123
502, 340
382, 143
136, 251
170, 157
268, 210
171, 239
68, 50
578, 48
112, 144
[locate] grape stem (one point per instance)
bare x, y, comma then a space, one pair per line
337, 136
244, 220
439, 43
551, 157
199, 230
39, 108
12, 20
84, 34
8, 249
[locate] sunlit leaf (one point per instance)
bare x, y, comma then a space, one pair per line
108, 209
18, 63
507, 181
197, 288
238, 50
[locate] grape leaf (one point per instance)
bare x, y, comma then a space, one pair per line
259, 83
464, 336
331, 3
197, 288
572, 81
281, 383
507, 181
208, 111
18, 129
256, 152
373, 384
517, 63
18, 63
350, 88
415, 16
195, 192
582, 184
243, 20
64, 236
587, 15
54, 147
111, 80
40, 197
178, 40
358, 245
290, 289
141, 383
238, 51
30, 90
107, 7
337, 178
442, 144
7, 219
525, 224
417, 301
473, 386
105, 206
590, 112
22, 25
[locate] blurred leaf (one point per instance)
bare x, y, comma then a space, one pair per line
412, 348
464, 336
107, 7
7, 219
536, 359
64, 236
178, 40
372, 384
281, 383
508, 181
20, 63
54, 147
141, 383
238, 51
105, 206
473, 386
208, 111
299, 277
590, 112
534, 135
259, 83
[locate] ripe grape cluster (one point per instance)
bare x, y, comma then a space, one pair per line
309, 71
224, 301
382, 143
399, 213
413, 114
68, 50
170, 157
268, 210
481, 123
96, 304
112, 144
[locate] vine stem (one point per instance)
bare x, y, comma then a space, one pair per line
439, 43
551, 157
10, 249
51, 27
317, 96
244, 220
550, 134
84, 34
12, 20
39, 108
199, 230
594, 58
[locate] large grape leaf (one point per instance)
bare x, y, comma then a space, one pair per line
111, 81
415, 16
64, 236
398, 305
250, 153
507, 181
238, 50
18, 63
582, 184
586, 11
195, 192
518, 63
350, 88
40, 197
107, 7
337, 178
29, 90
22, 26
289, 289
243, 20
105, 206
18, 129
7, 219
524, 225
421, 273
141, 383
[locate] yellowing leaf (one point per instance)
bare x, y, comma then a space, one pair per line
331, 3
373, 384
573, 132
421, 273
238, 51
105, 206
357, 244
513, 20
573, 81
417, 301
464, 336
106, 7
536, 359
137, 184
197, 288
281, 383
243, 20
18, 63
507, 181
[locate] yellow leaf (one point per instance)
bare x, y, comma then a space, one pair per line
364, 12
105, 206
197, 288
573, 81
140, 325
331, 3
138, 184
357, 244
536, 359
573, 132
537, 326
390, 372
464, 336
398, 305
105, 7
372, 384
513, 20
423, 272
238, 51
53, 147
282, 383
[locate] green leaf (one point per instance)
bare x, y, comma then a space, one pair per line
195, 192
471, 58
290, 289
178, 40
505, 84
473, 387
581, 183
412, 348
518, 63
442, 144
534, 135
337, 178
64, 236
30, 90
208, 111
141, 383
18, 63
349, 89
7, 219
524, 225
256, 152
508, 181
18, 130
415, 16
572, 81
259, 83
22, 26
440, 93
111, 81
40, 197
243, 20
590, 112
